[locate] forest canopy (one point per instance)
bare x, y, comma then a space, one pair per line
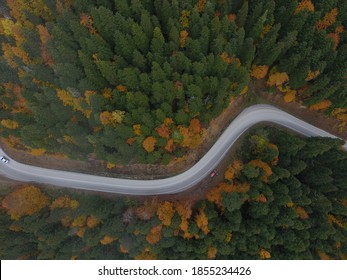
131, 80
283, 197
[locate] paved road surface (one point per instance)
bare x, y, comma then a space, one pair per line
249, 117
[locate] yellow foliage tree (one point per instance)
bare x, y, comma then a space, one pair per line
146, 254
26, 200
311, 75
166, 212
230, 60
118, 116
137, 129
149, 144
79, 221
264, 254
325, 104
185, 211
10, 124
184, 19
6, 26
277, 79
202, 221
37, 152
259, 71
92, 221
68, 100
107, 240
289, 96
64, 202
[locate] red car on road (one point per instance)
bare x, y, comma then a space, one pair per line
214, 173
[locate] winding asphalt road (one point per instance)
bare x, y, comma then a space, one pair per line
249, 117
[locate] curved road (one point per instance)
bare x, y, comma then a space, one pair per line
249, 117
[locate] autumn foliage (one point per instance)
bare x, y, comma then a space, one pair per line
149, 144
327, 20
212, 252
202, 221
264, 166
305, 5
154, 235
183, 38
10, 124
264, 254
166, 212
259, 71
277, 79
321, 105
26, 200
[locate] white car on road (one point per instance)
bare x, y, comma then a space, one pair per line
4, 159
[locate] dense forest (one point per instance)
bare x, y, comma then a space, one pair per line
139, 80
283, 197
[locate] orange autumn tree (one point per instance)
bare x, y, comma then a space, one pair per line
45, 37
154, 234
163, 131
301, 212
183, 38
107, 240
200, 6
311, 75
325, 104
259, 71
137, 129
277, 79
305, 5
166, 212
211, 253
335, 36
92, 221
264, 254
264, 166
327, 20
233, 170
149, 144
184, 210
64, 202
24, 201
202, 221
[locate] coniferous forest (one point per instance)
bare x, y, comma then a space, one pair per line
137, 81
285, 199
